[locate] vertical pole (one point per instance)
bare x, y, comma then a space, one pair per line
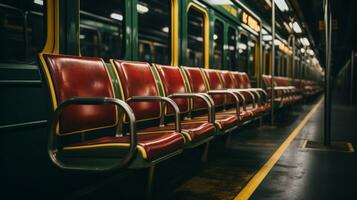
261, 56
351, 88
272, 59
327, 119
292, 69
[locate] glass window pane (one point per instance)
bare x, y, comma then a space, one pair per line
252, 57
154, 19
195, 48
21, 30
243, 53
267, 60
231, 56
102, 28
218, 44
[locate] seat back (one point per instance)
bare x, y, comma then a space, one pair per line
196, 84
267, 80
245, 80
228, 83
137, 79
214, 82
173, 82
72, 76
236, 76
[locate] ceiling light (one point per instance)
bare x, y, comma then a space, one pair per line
200, 39
297, 27
215, 36
116, 16
220, 2
277, 42
242, 46
311, 52
166, 29
282, 5
38, 2
305, 41
142, 9
267, 37
264, 32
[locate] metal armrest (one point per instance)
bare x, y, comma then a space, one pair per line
237, 92
208, 101
282, 89
247, 92
52, 141
261, 91
161, 99
229, 93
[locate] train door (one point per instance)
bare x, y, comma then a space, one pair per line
217, 61
225, 48
243, 51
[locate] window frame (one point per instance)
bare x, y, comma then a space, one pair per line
206, 30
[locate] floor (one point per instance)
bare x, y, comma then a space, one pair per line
299, 173
312, 174
224, 174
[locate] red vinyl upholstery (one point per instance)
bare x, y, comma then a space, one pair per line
136, 79
173, 82
228, 83
151, 146
197, 85
196, 79
81, 77
214, 82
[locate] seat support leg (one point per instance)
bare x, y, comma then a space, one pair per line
205, 152
150, 182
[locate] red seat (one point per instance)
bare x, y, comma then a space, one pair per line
72, 77
132, 82
200, 83
151, 145
243, 81
247, 111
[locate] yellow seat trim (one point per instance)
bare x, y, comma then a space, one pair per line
140, 148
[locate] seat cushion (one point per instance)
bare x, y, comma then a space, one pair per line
224, 119
195, 130
151, 145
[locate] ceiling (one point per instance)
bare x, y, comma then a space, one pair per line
309, 13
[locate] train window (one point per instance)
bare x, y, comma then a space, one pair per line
102, 28
218, 44
89, 41
232, 42
252, 57
154, 19
276, 63
145, 51
195, 35
267, 60
21, 30
243, 53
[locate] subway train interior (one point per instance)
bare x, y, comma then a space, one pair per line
178, 99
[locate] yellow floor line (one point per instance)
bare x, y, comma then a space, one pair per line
253, 184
